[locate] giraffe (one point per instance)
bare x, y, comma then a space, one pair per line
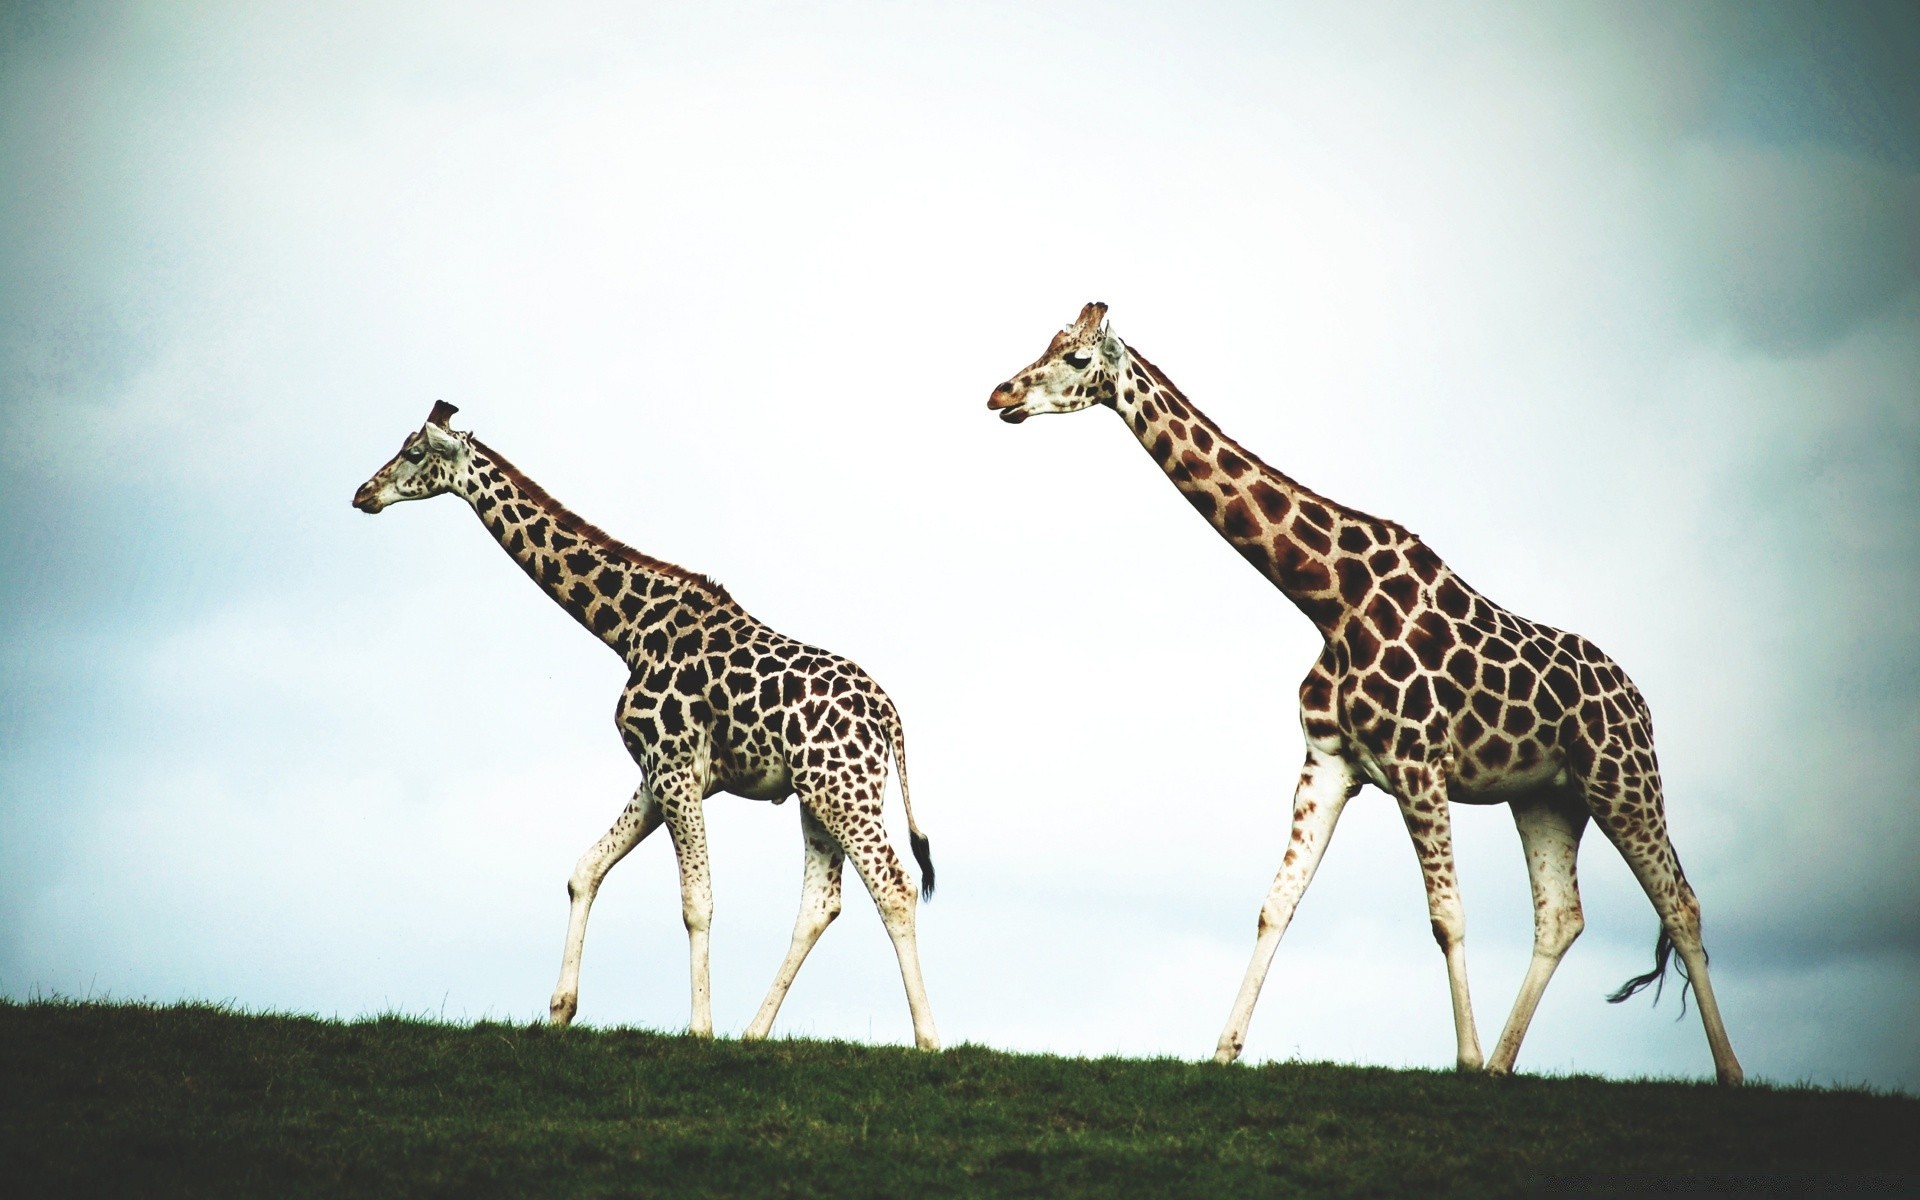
1424, 688
716, 702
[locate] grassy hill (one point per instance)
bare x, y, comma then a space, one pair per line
201, 1101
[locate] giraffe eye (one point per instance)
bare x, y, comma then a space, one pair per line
1079, 361
413, 454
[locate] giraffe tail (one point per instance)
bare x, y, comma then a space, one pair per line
922, 850
1662, 954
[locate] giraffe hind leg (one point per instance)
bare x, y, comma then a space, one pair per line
819, 905
1550, 826
847, 805
1623, 792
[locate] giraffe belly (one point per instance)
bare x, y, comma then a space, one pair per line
1498, 787
757, 781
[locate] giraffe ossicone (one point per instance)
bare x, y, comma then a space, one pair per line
716, 702
1424, 688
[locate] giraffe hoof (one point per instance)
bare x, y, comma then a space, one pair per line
560, 1012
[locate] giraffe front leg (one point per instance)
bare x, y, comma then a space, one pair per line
640, 818
1325, 784
819, 905
1422, 795
1550, 827
680, 808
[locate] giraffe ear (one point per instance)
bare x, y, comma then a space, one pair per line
440, 439
1111, 349
441, 414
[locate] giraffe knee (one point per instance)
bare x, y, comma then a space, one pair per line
1449, 929
1555, 929
698, 917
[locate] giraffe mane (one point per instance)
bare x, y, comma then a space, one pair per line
572, 523
1160, 377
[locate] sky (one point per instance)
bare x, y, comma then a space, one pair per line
1617, 305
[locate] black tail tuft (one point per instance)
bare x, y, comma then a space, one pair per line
1662, 952
923, 854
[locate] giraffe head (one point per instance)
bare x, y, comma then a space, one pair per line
427, 464
1081, 367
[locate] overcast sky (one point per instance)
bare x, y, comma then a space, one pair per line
1616, 305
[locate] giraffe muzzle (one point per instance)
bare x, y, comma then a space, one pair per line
1003, 402
367, 499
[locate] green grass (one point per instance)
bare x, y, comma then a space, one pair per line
201, 1101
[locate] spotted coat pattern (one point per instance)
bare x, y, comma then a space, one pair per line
716, 702
1424, 687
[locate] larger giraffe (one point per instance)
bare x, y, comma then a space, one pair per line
717, 702
1425, 688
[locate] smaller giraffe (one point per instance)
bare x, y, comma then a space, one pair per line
716, 702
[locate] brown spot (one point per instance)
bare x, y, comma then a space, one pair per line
1271, 500
1452, 599
1237, 522
1255, 553
1197, 467
1354, 580
1404, 589
1354, 539
1316, 513
1469, 728
1231, 463
1313, 539
1425, 563
1520, 681
1397, 663
1429, 639
1202, 440
1463, 667
1311, 576
1385, 617
1361, 645
1323, 612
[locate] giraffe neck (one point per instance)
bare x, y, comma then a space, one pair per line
635, 604
1323, 556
